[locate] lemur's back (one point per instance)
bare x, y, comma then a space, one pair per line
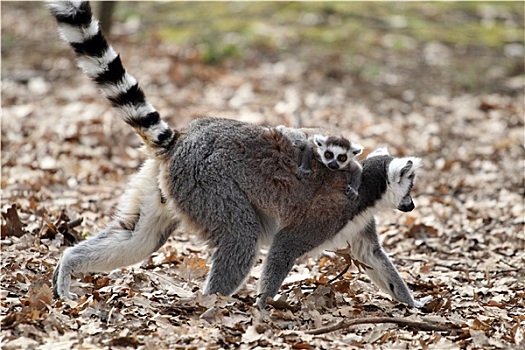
249, 165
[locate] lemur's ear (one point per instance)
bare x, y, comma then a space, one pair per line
357, 149
383, 151
406, 168
319, 140
402, 168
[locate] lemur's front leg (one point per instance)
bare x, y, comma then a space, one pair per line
367, 249
288, 245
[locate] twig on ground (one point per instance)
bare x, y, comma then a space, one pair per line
75, 223
340, 274
416, 325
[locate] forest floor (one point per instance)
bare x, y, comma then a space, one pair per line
442, 81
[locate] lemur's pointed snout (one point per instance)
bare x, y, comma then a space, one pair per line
406, 204
406, 208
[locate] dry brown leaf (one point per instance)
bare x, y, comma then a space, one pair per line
128, 341
13, 226
194, 267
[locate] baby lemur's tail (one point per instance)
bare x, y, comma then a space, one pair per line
102, 64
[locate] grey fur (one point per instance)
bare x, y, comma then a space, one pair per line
235, 184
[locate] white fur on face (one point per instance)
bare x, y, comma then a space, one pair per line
336, 151
397, 164
400, 182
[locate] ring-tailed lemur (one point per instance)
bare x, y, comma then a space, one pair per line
234, 183
334, 151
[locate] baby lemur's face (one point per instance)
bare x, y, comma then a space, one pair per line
336, 152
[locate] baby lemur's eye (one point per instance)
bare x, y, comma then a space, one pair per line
342, 158
328, 155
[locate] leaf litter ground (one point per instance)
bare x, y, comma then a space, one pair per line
66, 159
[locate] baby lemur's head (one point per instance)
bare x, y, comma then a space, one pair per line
335, 151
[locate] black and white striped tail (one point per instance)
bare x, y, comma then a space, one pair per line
102, 64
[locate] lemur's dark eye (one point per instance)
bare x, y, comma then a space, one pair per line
328, 155
342, 158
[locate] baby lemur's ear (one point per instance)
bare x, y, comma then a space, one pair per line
357, 149
320, 140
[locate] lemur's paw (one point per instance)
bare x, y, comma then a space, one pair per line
302, 173
65, 295
421, 302
71, 296
299, 144
61, 291
260, 302
351, 193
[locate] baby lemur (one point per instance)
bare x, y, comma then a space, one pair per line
233, 183
334, 151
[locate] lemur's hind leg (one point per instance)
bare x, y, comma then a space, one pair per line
142, 225
234, 238
232, 261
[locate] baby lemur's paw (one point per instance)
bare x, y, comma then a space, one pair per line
302, 173
351, 193
301, 144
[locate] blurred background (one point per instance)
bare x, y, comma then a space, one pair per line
403, 52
